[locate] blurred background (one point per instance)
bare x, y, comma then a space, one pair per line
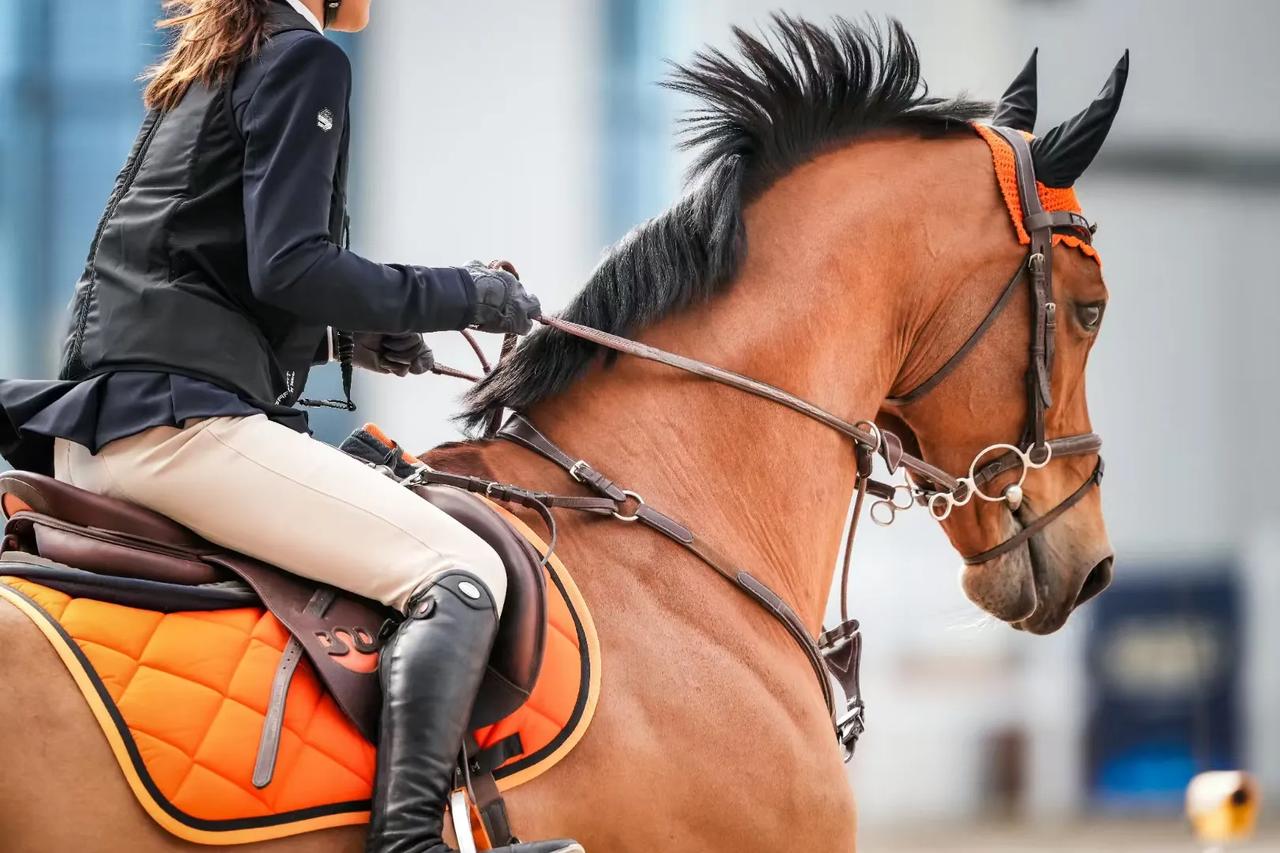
534, 131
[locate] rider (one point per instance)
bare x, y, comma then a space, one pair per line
218, 276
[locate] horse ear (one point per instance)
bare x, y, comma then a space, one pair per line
1062, 154
1017, 107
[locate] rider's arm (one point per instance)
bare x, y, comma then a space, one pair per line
290, 158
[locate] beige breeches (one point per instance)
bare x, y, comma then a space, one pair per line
262, 489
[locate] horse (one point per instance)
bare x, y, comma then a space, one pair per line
843, 238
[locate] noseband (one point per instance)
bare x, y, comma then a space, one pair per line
838, 650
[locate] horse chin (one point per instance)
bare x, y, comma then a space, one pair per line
1003, 586
1020, 587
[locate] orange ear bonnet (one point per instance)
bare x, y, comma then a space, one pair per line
1053, 198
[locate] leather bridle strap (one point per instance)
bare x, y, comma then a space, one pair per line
1041, 522
961, 354
914, 464
882, 442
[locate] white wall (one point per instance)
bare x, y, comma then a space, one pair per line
478, 141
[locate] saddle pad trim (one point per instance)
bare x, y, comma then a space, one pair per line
110, 722
521, 770
513, 773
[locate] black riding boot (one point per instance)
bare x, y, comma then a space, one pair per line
430, 671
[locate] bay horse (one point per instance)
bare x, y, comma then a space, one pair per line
845, 238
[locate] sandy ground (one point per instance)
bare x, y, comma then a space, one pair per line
1154, 837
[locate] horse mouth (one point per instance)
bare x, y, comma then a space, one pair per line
1053, 608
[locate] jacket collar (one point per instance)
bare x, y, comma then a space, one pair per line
302, 11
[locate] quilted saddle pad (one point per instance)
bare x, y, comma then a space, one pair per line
181, 698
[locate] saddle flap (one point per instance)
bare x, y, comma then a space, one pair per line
519, 647
339, 632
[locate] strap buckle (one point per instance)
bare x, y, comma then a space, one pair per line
850, 727
576, 469
841, 649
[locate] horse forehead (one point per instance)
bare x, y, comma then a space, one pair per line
1051, 198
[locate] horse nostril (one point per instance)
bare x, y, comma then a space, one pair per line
1098, 580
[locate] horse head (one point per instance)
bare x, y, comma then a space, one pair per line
843, 239
988, 395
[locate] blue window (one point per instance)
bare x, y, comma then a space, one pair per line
640, 172
70, 106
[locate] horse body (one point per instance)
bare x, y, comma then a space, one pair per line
710, 732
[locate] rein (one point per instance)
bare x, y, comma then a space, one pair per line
838, 650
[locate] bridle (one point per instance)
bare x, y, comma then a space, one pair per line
839, 649
1033, 450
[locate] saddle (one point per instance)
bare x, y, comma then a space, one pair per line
90, 546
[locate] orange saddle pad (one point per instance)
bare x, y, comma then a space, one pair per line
181, 698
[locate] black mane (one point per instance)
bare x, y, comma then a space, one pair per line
794, 92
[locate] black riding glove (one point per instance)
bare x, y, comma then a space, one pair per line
400, 354
502, 303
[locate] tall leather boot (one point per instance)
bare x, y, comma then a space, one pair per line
431, 670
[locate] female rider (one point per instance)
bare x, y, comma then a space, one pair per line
217, 277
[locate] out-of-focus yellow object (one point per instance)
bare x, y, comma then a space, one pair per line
1223, 805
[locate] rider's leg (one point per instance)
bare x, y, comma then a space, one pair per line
428, 686
289, 500
280, 496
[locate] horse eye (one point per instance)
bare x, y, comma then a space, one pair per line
1090, 315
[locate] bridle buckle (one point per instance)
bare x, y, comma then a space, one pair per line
850, 726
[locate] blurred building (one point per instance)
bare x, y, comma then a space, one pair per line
534, 131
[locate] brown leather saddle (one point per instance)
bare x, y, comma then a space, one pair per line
87, 545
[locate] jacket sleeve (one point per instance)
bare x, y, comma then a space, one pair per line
293, 127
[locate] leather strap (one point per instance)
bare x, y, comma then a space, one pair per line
492, 810
842, 652
264, 768
520, 431
1059, 220
491, 758
751, 386
1041, 522
961, 354
273, 724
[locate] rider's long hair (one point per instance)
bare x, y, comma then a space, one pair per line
213, 37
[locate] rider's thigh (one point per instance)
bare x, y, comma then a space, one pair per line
263, 489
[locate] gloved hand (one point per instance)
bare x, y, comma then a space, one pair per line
400, 354
502, 303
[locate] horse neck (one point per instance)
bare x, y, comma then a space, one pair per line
809, 313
